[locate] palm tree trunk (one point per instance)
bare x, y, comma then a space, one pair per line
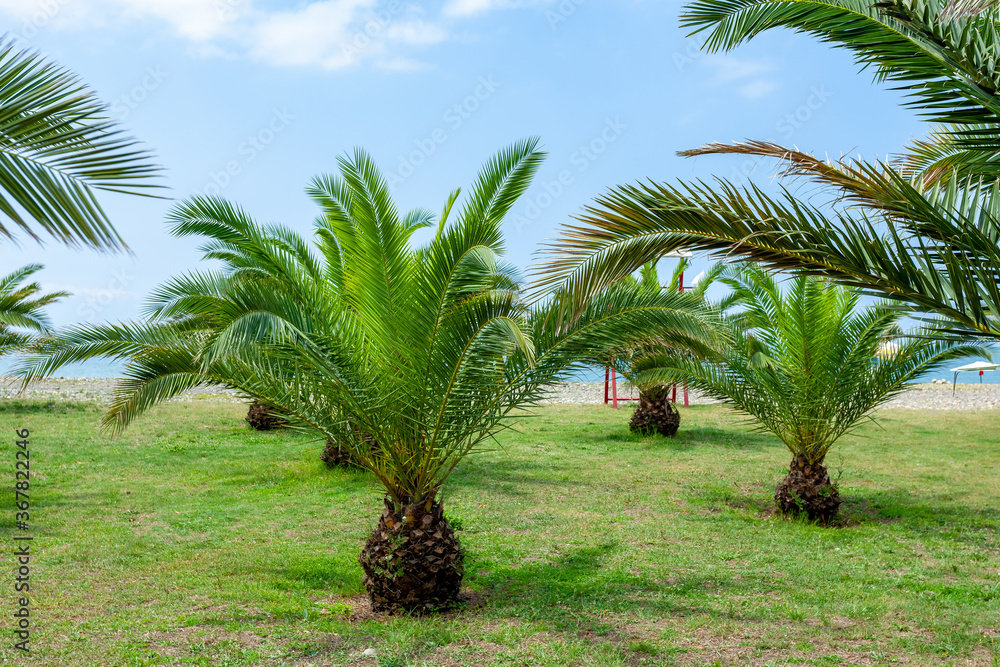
807, 488
412, 561
263, 417
656, 413
334, 456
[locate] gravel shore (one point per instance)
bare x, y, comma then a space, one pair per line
920, 397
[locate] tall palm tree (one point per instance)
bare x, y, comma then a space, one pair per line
57, 147
22, 314
921, 230
365, 336
808, 365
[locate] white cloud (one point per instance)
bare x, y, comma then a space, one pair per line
318, 34
729, 68
467, 7
472, 7
197, 20
325, 33
757, 89
417, 32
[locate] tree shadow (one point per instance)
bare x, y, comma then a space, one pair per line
509, 477
17, 407
914, 513
565, 591
728, 438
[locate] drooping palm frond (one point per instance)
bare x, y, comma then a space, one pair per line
636, 223
57, 147
943, 58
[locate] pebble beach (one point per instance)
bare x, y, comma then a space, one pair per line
99, 390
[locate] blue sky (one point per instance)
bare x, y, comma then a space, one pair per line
249, 99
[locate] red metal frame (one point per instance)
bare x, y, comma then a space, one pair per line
611, 379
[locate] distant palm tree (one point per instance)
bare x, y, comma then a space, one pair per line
656, 412
922, 230
57, 146
367, 337
22, 314
808, 364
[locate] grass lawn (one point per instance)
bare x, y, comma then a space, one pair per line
193, 540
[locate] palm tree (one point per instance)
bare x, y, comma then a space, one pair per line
22, 307
367, 337
656, 412
808, 365
57, 147
921, 230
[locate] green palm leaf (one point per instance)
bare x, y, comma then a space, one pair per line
57, 147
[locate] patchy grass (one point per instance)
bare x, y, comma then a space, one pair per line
193, 540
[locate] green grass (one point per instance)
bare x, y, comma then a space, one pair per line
194, 541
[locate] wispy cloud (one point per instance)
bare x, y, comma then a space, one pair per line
473, 7
732, 71
729, 68
326, 33
757, 89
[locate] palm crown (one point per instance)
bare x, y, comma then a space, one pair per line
806, 361
365, 337
22, 314
808, 365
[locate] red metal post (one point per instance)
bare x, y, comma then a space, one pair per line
607, 371
614, 389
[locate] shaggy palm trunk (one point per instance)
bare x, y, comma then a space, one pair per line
334, 456
807, 488
263, 417
412, 561
656, 414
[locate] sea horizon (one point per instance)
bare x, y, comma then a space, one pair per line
104, 369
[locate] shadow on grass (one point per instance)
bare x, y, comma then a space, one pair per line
509, 477
914, 513
27, 407
727, 438
563, 592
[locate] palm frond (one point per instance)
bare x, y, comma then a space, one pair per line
57, 147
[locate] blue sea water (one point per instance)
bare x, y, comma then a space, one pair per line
101, 368
94, 368
945, 373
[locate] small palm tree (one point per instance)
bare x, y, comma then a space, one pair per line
365, 337
57, 146
656, 412
808, 365
22, 308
